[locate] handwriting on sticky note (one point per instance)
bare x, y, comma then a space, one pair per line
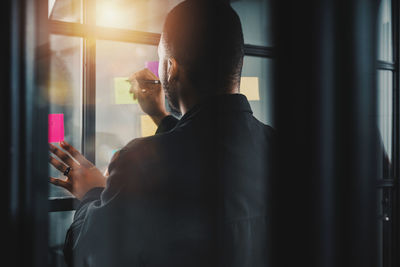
148, 126
153, 66
56, 128
250, 88
121, 90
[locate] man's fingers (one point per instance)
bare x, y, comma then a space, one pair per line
144, 74
139, 76
142, 90
61, 183
58, 164
76, 154
62, 155
150, 74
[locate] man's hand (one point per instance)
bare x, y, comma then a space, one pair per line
82, 175
150, 96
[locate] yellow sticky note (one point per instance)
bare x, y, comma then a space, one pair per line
147, 125
121, 90
249, 87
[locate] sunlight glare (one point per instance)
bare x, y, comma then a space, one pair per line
111, 14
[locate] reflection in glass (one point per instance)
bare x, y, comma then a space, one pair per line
117, 121
141, 15
385, 41
385, 114
261, 68
255, 16
65, 10
59, 223
65, 93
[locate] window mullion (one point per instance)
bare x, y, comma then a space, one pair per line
89, 85
395, 244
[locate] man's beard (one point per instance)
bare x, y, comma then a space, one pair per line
172, 99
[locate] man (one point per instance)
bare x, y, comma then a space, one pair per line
194, 194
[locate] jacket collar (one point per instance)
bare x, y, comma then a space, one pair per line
218, 104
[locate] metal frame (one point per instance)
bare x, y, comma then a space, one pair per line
89, 85
396, 134
103, 33
130, 36
390, 185
383, 65
382, 183
63, 204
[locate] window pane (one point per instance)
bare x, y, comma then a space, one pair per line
385, 114
142, 15
118, 120
385, 42
65, 93
65, 10
257, 84
255, 16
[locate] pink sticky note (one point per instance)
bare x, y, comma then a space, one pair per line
56, 128
153, 66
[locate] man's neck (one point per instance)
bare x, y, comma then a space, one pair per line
191, 98
185, 106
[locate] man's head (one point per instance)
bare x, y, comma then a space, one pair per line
201, 51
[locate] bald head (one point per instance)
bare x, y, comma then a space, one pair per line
206, 40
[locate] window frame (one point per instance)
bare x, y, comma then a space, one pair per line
396, 127
390, 185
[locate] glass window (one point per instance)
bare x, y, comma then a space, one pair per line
65, 10
141, 15
255, 16
385, 114
257, 84
119, 119
59, 223
65, 93
385, 41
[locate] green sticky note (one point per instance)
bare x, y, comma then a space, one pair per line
121, 90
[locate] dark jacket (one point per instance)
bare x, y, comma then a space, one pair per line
194, 195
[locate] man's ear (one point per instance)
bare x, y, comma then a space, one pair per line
172, 69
